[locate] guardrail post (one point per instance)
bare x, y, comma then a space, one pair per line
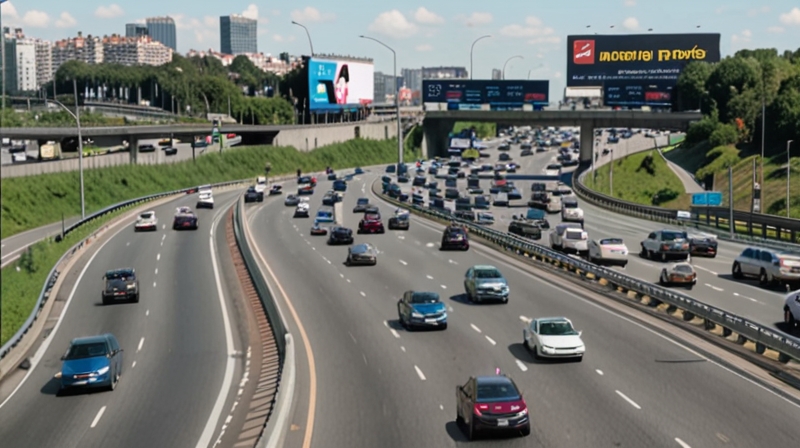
708, 325
760, 348
741, 340
726, 332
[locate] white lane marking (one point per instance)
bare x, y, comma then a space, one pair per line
522, 366
599, 372
156, 271
365, 358
631, 402
329, 261
707, 270
348, 280
164, 236
313, 248
491, 341
133, 365
403, 263
429, 277
745, 297
441, 407
682, 443
162, 243
147, 313
443, 286
341, 275
154, 284
308, 242
649, 265
97, 418
301, 234
163, 226
400, 237
141, 343
394, 333
450, 309
128, 243
403, 348
158, 257
452, 262
324, 257
429, 245
715, 288
362, 294
475, 327
419, 373
525, 319
386, 324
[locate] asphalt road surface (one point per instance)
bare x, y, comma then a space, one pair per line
379, 385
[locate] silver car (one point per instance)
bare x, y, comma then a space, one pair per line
362, 254
484, 282
768, 265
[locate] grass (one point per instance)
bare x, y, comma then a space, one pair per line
60, 118
482, 130
30, 202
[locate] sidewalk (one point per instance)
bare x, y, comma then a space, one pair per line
689, 183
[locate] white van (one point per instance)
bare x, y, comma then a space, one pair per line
205, 197
554, 203
261, 184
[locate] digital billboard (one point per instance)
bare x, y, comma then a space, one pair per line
497, 94
636, 93
342, 85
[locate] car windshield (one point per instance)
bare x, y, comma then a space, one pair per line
496, 391
119, 275
557, 328
362, 201
570, 204
671, 236
488, 273
372, 217
684, 268
611, 241
424, 297
574, 235
146, 216
91, 350
324, 213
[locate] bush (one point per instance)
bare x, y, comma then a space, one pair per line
483, 130
724, 134
701, 130
718, 159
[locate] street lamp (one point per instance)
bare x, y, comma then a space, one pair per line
470, 52
788, 174
535, 68
77, 116
310, 44
509, 60
396, 102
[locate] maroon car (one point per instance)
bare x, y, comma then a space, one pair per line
371, 223
491, 404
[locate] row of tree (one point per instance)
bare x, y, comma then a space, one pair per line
739, 92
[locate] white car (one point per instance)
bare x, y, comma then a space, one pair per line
553, 169
553, 337
484, 218
570, 211
205, 197
261, 184
611, 251
302, 210
146, 221
791, 310
569, 238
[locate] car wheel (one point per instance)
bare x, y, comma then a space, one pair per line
788, 318
505, 299
114, 381
763, 278
136, 298
663, 278
536, 354
624, 264
459, 420
643, 252
664, 257
444, 326
736, 271
105, 301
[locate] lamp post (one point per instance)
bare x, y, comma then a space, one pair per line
788, 174
310, 44
535, 68
473, 48
77, 116
396, 102
509, 60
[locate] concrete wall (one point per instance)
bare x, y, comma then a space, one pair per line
308, 139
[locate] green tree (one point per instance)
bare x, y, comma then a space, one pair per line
730, 77
692, 84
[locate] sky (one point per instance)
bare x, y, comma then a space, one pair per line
429, 33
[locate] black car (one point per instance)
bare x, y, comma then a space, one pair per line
275, 190
703, 246
251, 195
362, 254
340, 235
504, 157
455, 237
147, 148
391, 168
504, 147
361, 205
526, 152
525, 229
331, 176
120, 284
539, 199
491, 403
526, 147
465, 215
400, 222
170, 151
419, 181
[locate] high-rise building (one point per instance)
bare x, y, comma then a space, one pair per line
444, 73
238, 34
87, 49
10, 61
20, 61
385, 87
135, 30
44, 61
141, 50
412, 78
497, 73
162, 29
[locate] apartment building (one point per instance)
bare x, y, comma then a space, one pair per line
142, 50
88, 49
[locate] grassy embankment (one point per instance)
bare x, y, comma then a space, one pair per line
29, 202
60, 118
483, 130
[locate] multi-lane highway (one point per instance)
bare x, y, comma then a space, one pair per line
178, 344
379, 385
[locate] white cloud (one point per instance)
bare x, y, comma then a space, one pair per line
533, 27
9, 12
65, 20
545, 40
557, 75
756, 11
311, 14
422, 15
792, 17
424, 47
203, 31
630, 2
36, 19
393, 24
775, 29
742, 38
111, 11
476, 18
631, 23
279, 38
252, 13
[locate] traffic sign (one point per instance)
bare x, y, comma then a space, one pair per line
707, 198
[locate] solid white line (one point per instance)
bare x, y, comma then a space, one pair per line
631, 402
429, 277
419, 373
158, 257
97, 418
475, 327
403, 263
491, 341
362, 294
599, 372
394, 333
715, 288
141, 343
522, 366
682, 443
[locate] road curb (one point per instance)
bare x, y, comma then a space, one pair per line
277, 427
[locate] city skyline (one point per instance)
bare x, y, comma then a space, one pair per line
432, 35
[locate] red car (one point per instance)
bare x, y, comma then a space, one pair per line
491, 404
371, 223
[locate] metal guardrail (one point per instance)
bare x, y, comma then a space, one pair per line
787, 346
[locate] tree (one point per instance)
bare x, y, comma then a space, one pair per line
729, 78
692, 84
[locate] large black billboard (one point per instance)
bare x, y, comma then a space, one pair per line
641, 59
498, 94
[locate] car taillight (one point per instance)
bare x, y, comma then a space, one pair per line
479, 408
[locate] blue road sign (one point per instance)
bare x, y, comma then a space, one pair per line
707, 198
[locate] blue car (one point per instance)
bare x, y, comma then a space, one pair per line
90, 362
324, 215
421, 309
391, 168
339, 185
359, 171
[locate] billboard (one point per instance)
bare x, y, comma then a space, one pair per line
335, 86
497, 94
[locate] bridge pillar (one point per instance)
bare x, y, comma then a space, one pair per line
436, 132
133, 146
587, 141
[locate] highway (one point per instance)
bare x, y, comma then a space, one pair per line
379, 385
177, 344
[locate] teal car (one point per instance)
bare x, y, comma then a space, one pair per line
92, 362
417, 309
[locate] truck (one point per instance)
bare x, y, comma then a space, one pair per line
49, 151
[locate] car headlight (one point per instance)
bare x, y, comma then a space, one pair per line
522, 413
417, 315
103, 370
548, 349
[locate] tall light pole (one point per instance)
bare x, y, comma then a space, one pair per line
535, 68
509, 60
473, 48
396, 102
788, 174
77, 116
310, 44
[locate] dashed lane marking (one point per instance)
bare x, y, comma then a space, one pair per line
631, 402
491, 341
429, 277
707, 270
341, 275
348, 280
133, 365
154, 284
522, 366
745, 297
682, 443
141, 343
419, 373
475, 327
158, 257
430, 245
525, 319
714, 287
452, 262
362, 294
156, 271
403, 263
403, 348
98, 416
147, 313
599, 372
394, 333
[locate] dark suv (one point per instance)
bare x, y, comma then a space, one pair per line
455, 237
121, 284
340, 235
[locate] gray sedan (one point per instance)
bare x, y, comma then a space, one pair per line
362, 254
484, 282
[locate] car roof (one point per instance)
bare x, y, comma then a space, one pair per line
121, 271
484, 267
493, 379
543, 320
363, 247
89, 339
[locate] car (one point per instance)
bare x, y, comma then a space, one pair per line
770, 266
331, 198
391, 168
613, 139
526, 152
500, 200
569, 238
554, 169
703, 245
791, 310
165, 142
302, 210
91, 362
402, 178
570, 210
339, 185
504, 147
553, 337
419, 181
371, 223
120, 284
500, 167
184, 219
401, 220
484, 283
611, 251
491, 404
525, 229
526, 147
372, 210
146, 221
537, 217
362, 254
482, 202
305, 190
666, 245
275, 190
332, 176
484, 218
324, 215
504, 157
358, 170
205, 197
681, 273
418, 309
147, 148
291, 201
340, 235
318, 230
361, 205
253, 195
170, 151
307, 180
455, 237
